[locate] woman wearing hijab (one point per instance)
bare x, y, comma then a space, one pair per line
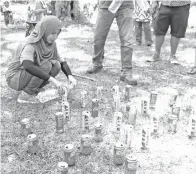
37, 61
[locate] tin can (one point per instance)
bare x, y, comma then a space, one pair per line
145, 137
130, 164
132, 114
128, 106
119, 153
25, 127
62, 167
85, 120
128, 135
99, 92
66, 110
192, 126
95, 105
117, 103
153, 99
172, 120
59, 117
155, 125
116, 90
128, 92
117, 121
83, 98
33, 142
144, 106
98, 137
176, 111
173, 99
85, 145
69, 155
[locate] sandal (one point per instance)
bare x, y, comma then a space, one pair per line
192, 70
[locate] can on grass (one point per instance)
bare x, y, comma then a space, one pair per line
85, 145
95, 107
62, 167
128, 135
69, 155
66, 110
155, 125
85, 122
119, 153
173, 99
153, 99
83, 98
98, 137
192, 126
117, 104
117, 121
59, 117
130, 164
99, 92
132, 114
144, 106
33, 144
176, 111
172, 120
116, 90
128, 92
25, 127
145, 137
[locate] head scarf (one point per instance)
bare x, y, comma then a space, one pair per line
45, 27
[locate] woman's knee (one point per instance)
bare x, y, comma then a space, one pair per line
46, 67
55, 69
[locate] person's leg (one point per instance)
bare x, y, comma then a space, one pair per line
138, 32
160, 29
56, 67
179, 21
147, 33
102, 27
124, 20
30, 84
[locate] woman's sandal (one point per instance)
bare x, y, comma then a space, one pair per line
192, 70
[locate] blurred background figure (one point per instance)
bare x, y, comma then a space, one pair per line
142, 18
36, 10
7, 13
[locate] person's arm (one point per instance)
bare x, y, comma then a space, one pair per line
65, 68
31, 68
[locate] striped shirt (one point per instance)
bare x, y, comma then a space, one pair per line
175, 3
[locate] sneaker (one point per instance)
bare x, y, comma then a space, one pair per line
129, 80
94, 69
26, 98
174, 60
154, 58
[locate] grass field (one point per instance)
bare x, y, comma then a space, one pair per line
168, 153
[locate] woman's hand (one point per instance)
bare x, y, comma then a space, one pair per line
61, 89
72, 81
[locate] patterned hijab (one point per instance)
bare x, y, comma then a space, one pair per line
44, 51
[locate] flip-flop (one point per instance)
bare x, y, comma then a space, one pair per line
192, 70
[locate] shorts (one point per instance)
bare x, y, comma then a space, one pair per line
175, 17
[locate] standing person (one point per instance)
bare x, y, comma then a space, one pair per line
37, 9
174, 14
124, 18
37, 62
142, 18
7, 12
